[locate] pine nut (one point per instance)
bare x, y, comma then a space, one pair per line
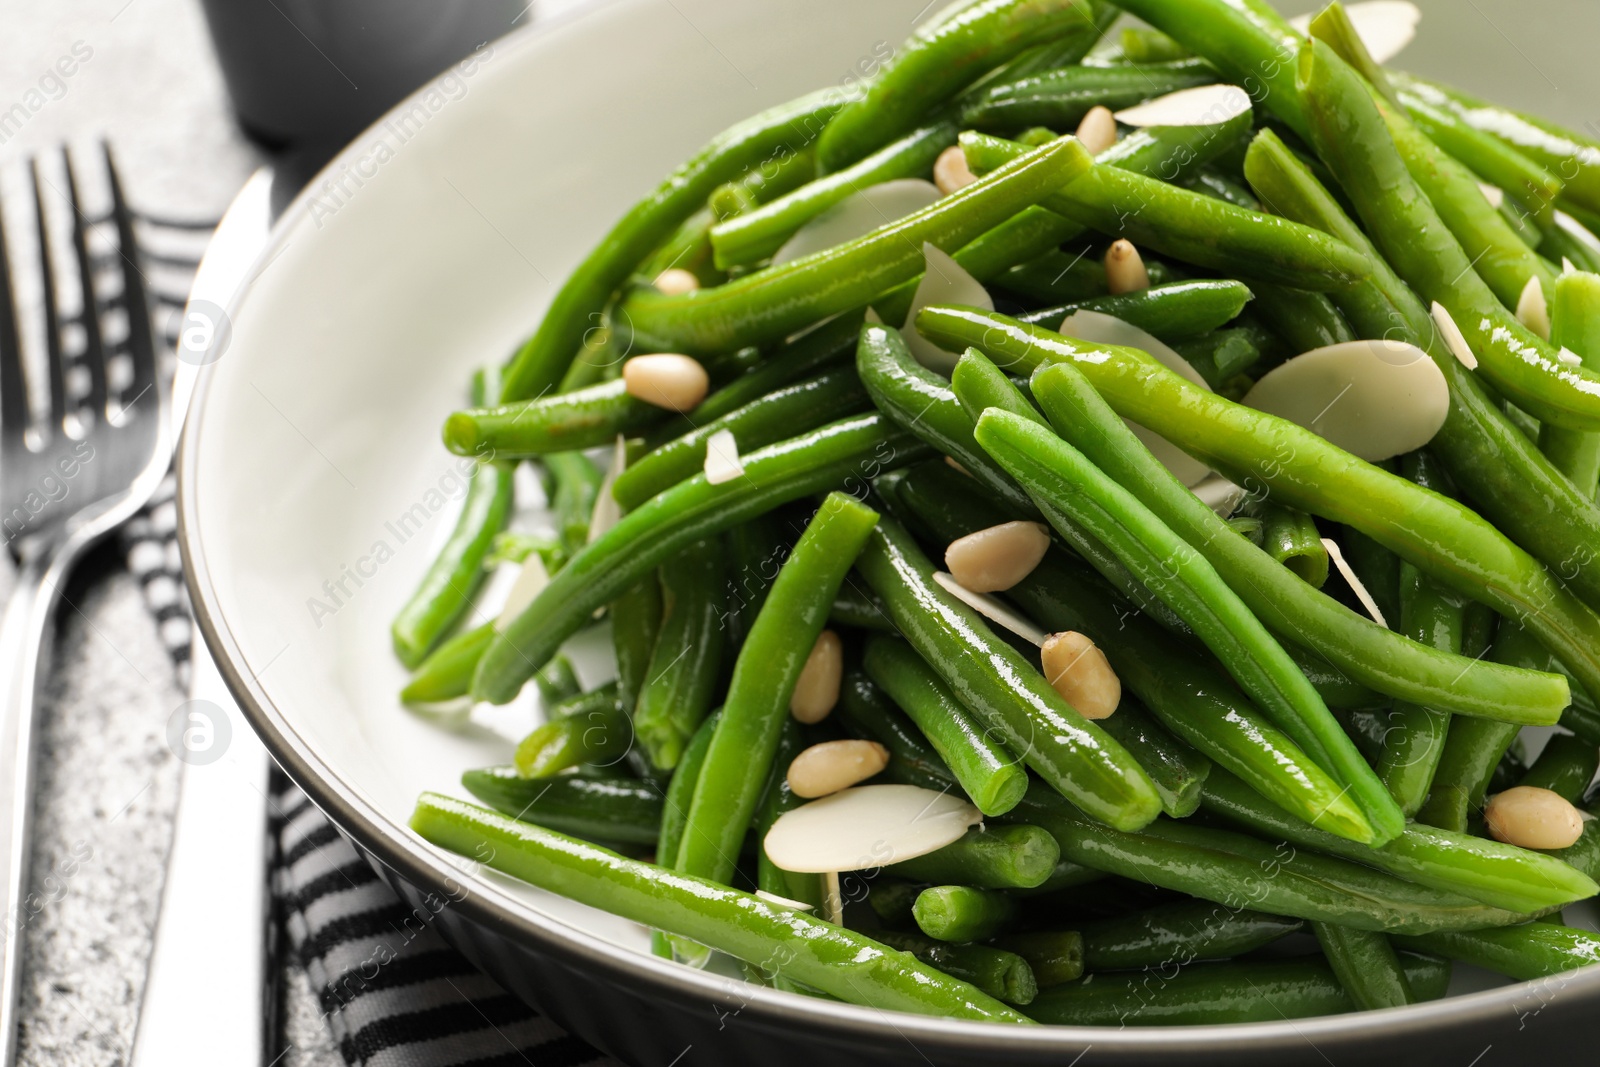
1125, 272
950, 171
994, 560
835, 765
1079, 671
675, 281
817, 691
1532, 310
1098, 130
1530, 817
666, 380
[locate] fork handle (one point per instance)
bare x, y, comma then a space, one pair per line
24, 648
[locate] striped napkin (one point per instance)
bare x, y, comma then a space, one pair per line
390, 998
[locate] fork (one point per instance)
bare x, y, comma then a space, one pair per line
65, 482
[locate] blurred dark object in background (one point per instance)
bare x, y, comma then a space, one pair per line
323, 70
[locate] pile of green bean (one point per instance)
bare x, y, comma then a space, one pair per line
1215, 786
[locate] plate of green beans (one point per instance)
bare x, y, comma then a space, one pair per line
1073, 534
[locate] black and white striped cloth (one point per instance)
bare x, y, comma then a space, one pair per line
390, 998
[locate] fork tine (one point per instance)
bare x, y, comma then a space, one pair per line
13, 385
94, 350
135, 294
52, 312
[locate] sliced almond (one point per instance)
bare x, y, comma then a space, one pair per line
991, 609
1356, 585
950, 171
944, 281
722, 458
1375, 399
531, 580
1384, 26
1452, 336
867, 826
858, 215
607, 512
1532, 310
1098, 130
1204, 105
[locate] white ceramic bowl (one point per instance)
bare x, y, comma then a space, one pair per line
314, 489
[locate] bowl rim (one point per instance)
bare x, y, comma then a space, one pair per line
476, 898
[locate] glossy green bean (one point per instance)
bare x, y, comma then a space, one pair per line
1188, 226
560, 422
857, 607
1415, 736
1438, 535
686, 664
576, 484
785, 411
756, 549
1366, 965
764, 678
1213, 183
1055, 956
891, 901
636, 618
851, 448
1187, 690
1223, 355
589, 728
1291, 537
755, 235
1575, 327
1140, 44
456, 573
541, 361
1212, 993
1004, 691
836, 961
1499, 875
557, 680
1566, 766
1304, 320
1526, 952
1177, 934
993, 777
774, 302
938, 60
687, 248
1060, 98
1173, 312
1491, 461
963, 913
1472, 750
1245, 872
1001, 857
1177, 770
1050, 468
1003, 975
446, 674
624, 810
1531, 187
777, 798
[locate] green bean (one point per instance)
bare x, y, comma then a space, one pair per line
1575, 326
1186, 225
1187, 690
891, 901
1291, 537
857, 607
589, 728
774, 302
764, 677
1495, 465
1435, 533
1177, 934
1499, 875
577, 482
688, 512
937, 61
1177, 770
1415, 738
756, 550
686, 663
1143, 45
1566, 766
1304, 320
557, 681
622, 810
1584, 855
755, 235
1350, 132
777, 798
1004, 857
1172, 312
990, 775
1366, 965
1245, 872
687, 248
636, 618
447, 672
783, 412
1003, 975
1561, 243
1526, 952
1060, 98
1530, 186
1055, 956
560, 422
1052, 469
573, 311
456, 573
680, 791
1003, 690
836, 961
963, 913
1472, 750
1573, 158
1212, 993
1057, 277
1223, 355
